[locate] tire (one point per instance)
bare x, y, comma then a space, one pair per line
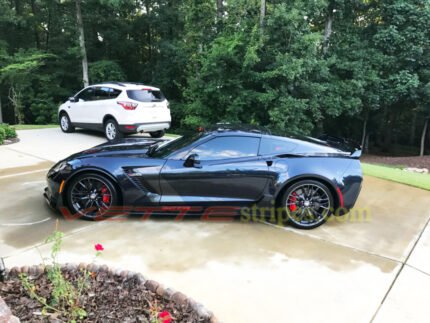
308, 204
157, 134
65, 123
111, 130
91, 196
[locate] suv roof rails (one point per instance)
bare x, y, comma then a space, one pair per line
225, 126
114, 82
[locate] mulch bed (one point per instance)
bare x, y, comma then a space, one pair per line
414, 161
10, 141
113, 296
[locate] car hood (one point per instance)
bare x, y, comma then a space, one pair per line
126, 147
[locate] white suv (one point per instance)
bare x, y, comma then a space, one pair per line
117, 109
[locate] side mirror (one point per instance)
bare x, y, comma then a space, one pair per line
72, 99
192, 161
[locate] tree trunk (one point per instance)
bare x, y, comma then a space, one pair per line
219, 9
328, 28
82, 43
18, 7
423, 136
364, 133
413, 129
262, 13
366, 143
36, 32
1, 112
48, 27
149, 31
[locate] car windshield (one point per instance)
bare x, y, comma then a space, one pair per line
146, 95
165, 149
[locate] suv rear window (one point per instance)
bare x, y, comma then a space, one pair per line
146, 95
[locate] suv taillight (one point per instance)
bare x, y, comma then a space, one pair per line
128, 105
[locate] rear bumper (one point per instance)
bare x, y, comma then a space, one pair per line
144, 127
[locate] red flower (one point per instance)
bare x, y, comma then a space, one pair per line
165, 317
99, 247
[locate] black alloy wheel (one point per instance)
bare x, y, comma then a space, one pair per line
308, 204
91, 196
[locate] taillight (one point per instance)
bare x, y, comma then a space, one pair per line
128, 105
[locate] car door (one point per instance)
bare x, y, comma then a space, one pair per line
96, 109
78, 110
229, 172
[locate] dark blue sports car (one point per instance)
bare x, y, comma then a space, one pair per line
238, 168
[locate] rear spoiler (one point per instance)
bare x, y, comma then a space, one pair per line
343, 144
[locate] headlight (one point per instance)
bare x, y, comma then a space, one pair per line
58, 168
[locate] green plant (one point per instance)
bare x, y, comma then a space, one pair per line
65, 298
10, 131
2, 135
397, 175
158, 316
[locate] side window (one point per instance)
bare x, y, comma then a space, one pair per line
227, 147
102, 93
87, 94
113, 93
275, 146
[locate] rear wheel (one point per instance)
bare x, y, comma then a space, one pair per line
65, 124
157, 134
91, 196
112, 130
308, 204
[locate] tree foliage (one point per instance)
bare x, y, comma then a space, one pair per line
352, 68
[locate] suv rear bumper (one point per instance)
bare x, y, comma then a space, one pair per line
144, 127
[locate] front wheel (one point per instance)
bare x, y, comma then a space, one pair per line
157, 134
308, 204
91, 196
112, 132
65, 124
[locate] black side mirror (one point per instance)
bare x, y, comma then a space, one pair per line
192, 161
72, 99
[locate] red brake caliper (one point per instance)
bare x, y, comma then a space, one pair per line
106, 195
292, 202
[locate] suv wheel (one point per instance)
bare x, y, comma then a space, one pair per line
65, 124
157, 134
112, 130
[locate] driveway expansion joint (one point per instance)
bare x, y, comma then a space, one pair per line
404, 263
307, 234
28, 154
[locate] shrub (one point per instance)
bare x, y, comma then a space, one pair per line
44, 110
10, 131
2, 135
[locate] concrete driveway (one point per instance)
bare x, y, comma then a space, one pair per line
377, 270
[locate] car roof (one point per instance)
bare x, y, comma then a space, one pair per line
127, 85
222, 128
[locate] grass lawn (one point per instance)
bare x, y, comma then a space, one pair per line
34, 126
397, 175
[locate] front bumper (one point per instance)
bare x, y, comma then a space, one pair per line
52, 196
